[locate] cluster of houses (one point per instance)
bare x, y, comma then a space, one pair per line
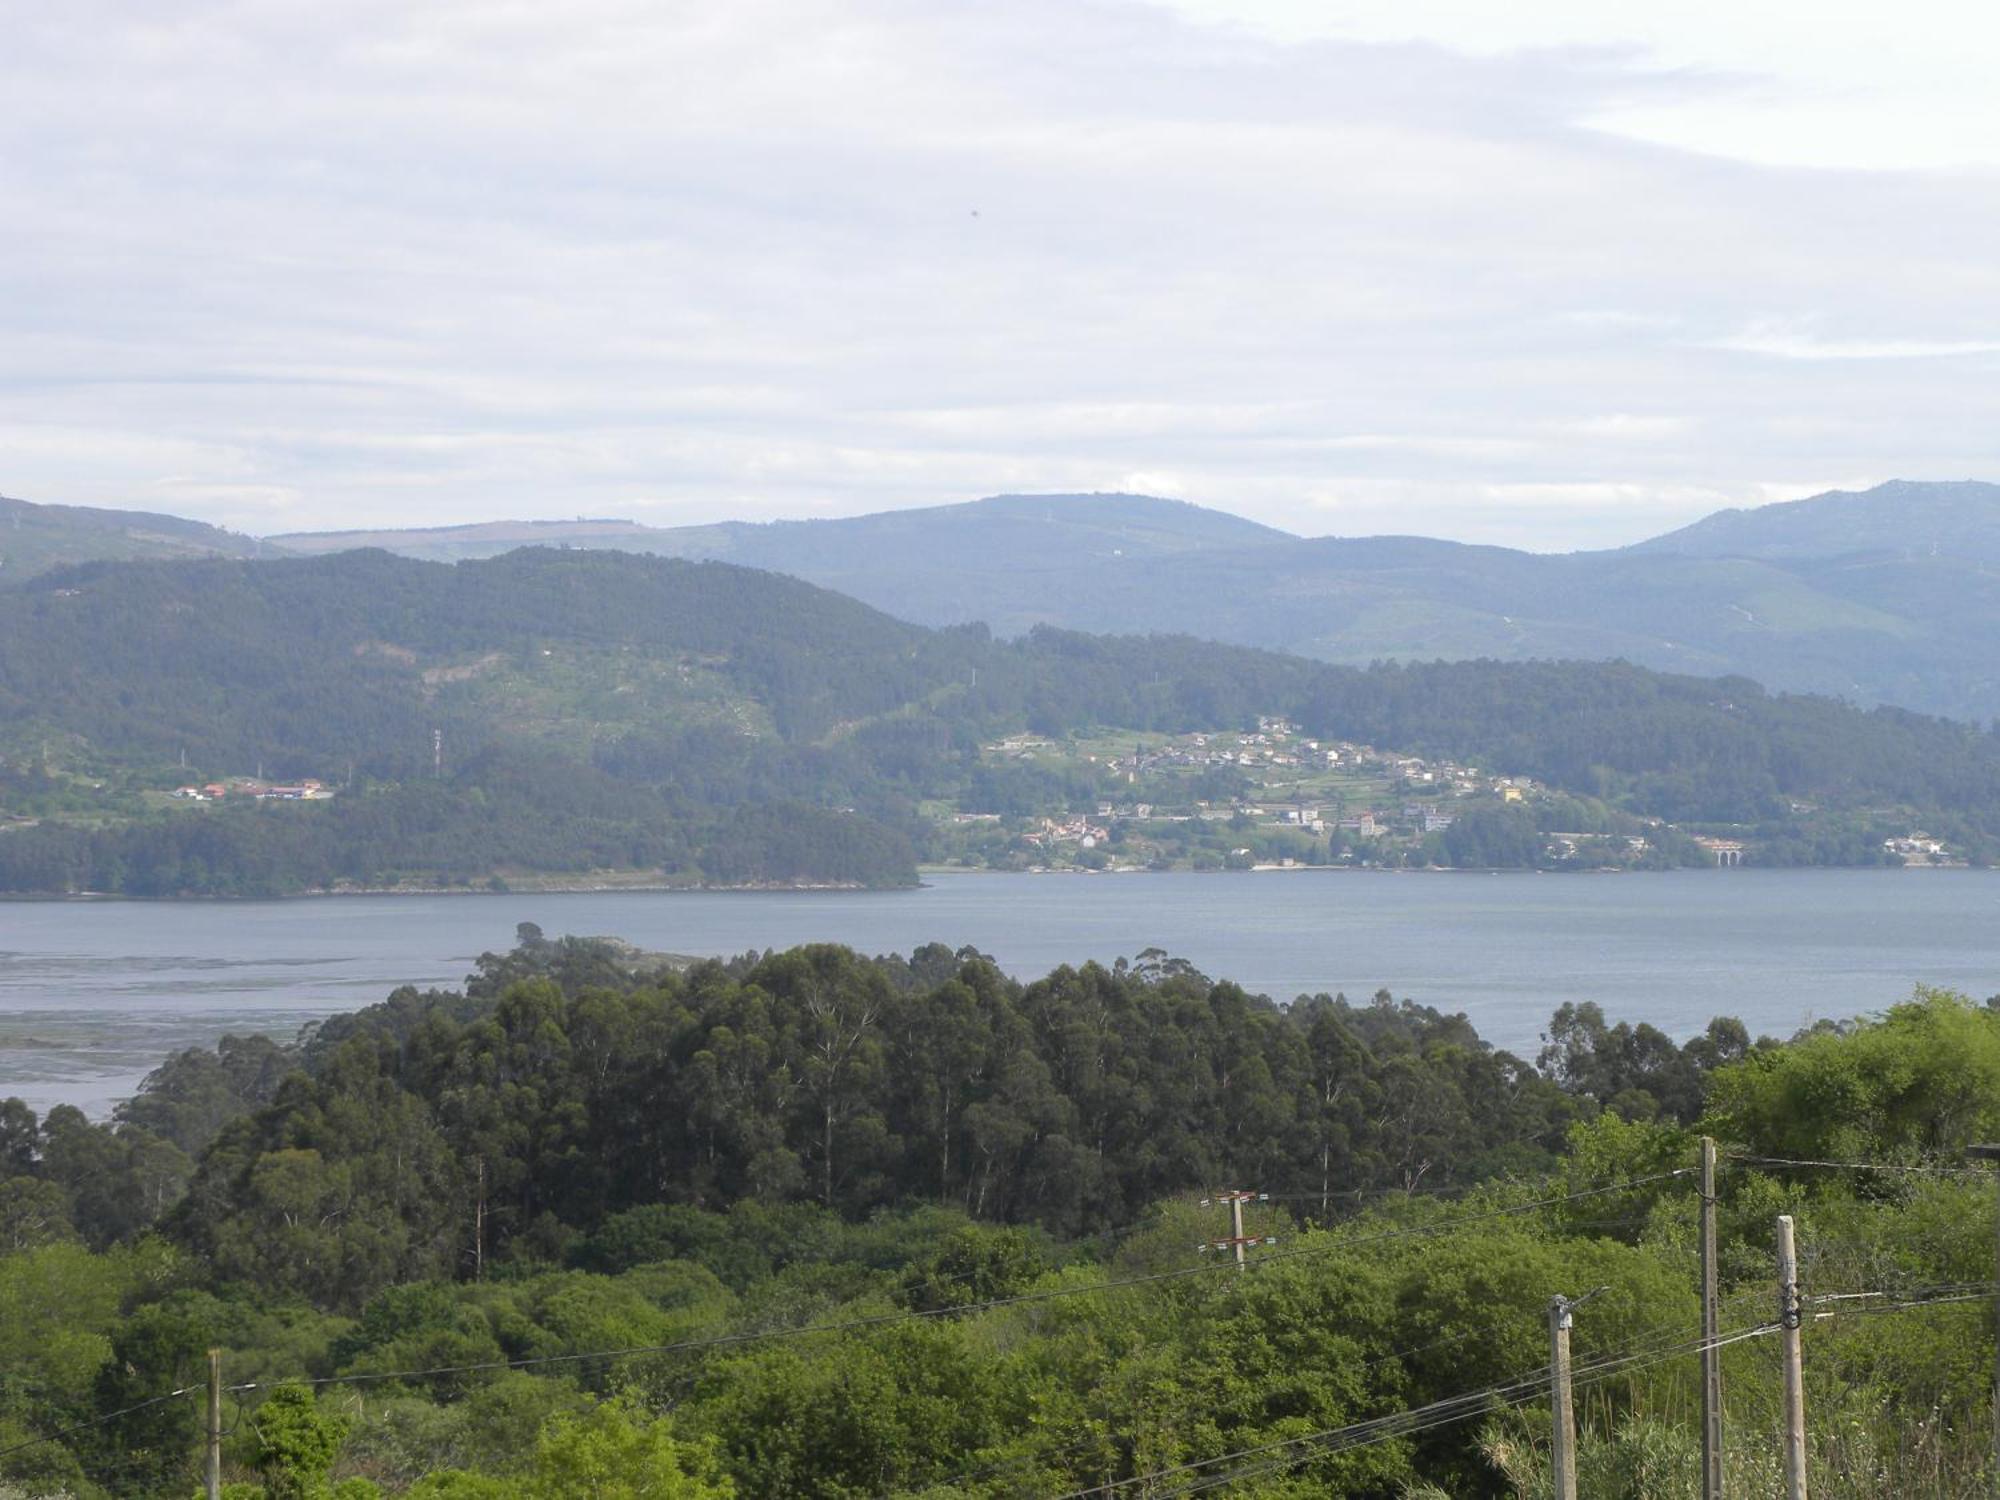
1077, 830
1278, 746
260, 791
1560, 846
1415, 817
1289, 761
1919, 849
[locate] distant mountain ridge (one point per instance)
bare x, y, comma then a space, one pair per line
1011, 527
1882, 596
35, 538
1889, 595
1898, 519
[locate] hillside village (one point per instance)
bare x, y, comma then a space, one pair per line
1275, 798
1268, 798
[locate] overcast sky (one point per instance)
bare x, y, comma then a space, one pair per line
1554, 275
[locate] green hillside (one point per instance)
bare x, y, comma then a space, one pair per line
36, 538
583, 716
1888, 596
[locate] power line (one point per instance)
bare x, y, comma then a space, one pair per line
1437, 1413
1449, 1408
112, 1416
1942, 1294
853, 1324
1443, 1413
1946, 1296
1343, 1243
1021, 1460
1454, 1409
1853, 1166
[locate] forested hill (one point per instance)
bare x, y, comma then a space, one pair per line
563, 713
357, 657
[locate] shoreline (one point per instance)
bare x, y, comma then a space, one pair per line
854, 887
929, 870
566, 888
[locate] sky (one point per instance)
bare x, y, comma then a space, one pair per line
1551, 276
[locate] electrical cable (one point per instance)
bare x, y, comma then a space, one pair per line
1437, 1413
878, 1320
1854, 1166
112, 1416
1585, 1375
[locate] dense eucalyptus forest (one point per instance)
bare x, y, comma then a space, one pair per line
812, 1224
561, 715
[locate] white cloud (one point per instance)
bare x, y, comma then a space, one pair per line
1154, 482
385, 263
1792, 83
1628, 426
1793, 343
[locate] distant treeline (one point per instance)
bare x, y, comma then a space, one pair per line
562, 684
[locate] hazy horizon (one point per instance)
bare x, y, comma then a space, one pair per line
1554, 279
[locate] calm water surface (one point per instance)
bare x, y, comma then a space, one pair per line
92, 996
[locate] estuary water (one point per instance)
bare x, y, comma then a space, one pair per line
94, 994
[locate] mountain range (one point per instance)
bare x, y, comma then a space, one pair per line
1890, 595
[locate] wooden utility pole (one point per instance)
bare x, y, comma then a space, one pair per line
215, 1424
1789, 1319
479, 1227
1711, 1318
1992, 1154
1562, 1458
1237, 1240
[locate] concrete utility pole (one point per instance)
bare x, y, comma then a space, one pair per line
1237, 1240
1562, 1398
1562, 1405
1992, 1153
215, 1424
1789, 1318
1711, 1318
